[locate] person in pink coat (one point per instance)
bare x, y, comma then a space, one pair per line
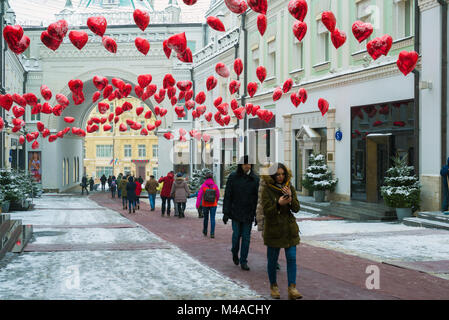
208, 196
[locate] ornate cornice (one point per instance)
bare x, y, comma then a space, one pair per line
428, 4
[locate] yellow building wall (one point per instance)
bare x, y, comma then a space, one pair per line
118, 140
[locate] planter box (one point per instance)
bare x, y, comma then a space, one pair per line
402, 213
319, 195
5, 206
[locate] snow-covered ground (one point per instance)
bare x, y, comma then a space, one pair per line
159, 273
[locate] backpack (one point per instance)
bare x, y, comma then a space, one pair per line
209, 195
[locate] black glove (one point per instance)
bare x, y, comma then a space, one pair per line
255, 221
225, 219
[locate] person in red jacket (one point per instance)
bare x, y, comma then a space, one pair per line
166, 191
138, 192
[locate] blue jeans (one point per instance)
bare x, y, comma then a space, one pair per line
241, 230
152, 199
119, 192
132, 204
124, 201
272, 257
206, 211
164, 201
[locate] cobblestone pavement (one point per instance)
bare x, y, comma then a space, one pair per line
324, 272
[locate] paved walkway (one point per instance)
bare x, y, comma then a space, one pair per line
322, 273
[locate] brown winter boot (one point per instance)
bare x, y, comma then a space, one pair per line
275, 294
293, 294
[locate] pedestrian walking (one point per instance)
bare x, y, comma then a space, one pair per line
151, 188
445, 178
103, 180
119, 191
208, 196
179, 193
84, 185
113, 186
279, 202
131, 194
122, 188
166, 192
91, 184
109, 182
239, 205
138, 192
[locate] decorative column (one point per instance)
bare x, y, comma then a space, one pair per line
288, 141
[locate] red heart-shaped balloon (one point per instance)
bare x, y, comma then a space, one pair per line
236, 6
168, 81
123, 127
173, 101
323, 105
299, 30
168, 136
329, 21
107, 91
141, 18
31, 98
96, 96
127, 106
20, 46
144, 132
37, 109
302, 93
57, 110
151, 127
50, 42
58, 30
177, 42
227, 119
21, 138
189, 95
211, 83
218, 101
46, 108
12, 34
148, 114
362, 30
277, 94
252, 88
78, 98
208, 116
35, 145
222, 70
200, 110
45, 92
234, 104
6, 101
254, 110
150, 90
157, 110
17, 98
338, 38
100, 82
45, 133
62, 99
97, 25
167, 50
18, 111
223, 108
200, 97
111, 117
240, 113
288, 84
215, 24
157, 123
238, 66
107, 127
126, 90
298, 9
158, 98
103, 107
69, 119
261, 73
249, 108
163, 112
259, 6
40, 126
78, 38
296, 100
144, 80
76, 86
171, 92
407, 61
142, 45
262, 24
184, 85
118, 111
109, 44
379, 46
190, 104
234, 86
186, 56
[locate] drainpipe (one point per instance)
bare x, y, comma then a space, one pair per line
2, 89
444, 52
191, 140
417, 80
245, 82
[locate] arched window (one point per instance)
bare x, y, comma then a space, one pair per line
63, 172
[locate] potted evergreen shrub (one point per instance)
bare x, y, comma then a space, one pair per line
318, 177
401, 189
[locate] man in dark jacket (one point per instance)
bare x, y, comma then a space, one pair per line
166, 191
445, 174
239, 204
84, 185
103, 180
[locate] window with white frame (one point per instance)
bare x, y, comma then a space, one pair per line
256, 60
271, 50
142, 150
155, 150
403, 18
107, 171
322, 55
36, 117
365, 11
128, 150
127, 170
104, 151
298, 52
155, 173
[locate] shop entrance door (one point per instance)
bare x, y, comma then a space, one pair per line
378, 158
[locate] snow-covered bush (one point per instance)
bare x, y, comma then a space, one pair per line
16, 186
318, 176
197, 179
401, 187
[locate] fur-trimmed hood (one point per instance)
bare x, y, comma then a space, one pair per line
272, 184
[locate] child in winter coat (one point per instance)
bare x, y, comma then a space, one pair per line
208, 196
179, 193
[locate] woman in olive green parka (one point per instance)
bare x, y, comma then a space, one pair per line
279, 202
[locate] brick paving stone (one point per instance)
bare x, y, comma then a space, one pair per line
322, 273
